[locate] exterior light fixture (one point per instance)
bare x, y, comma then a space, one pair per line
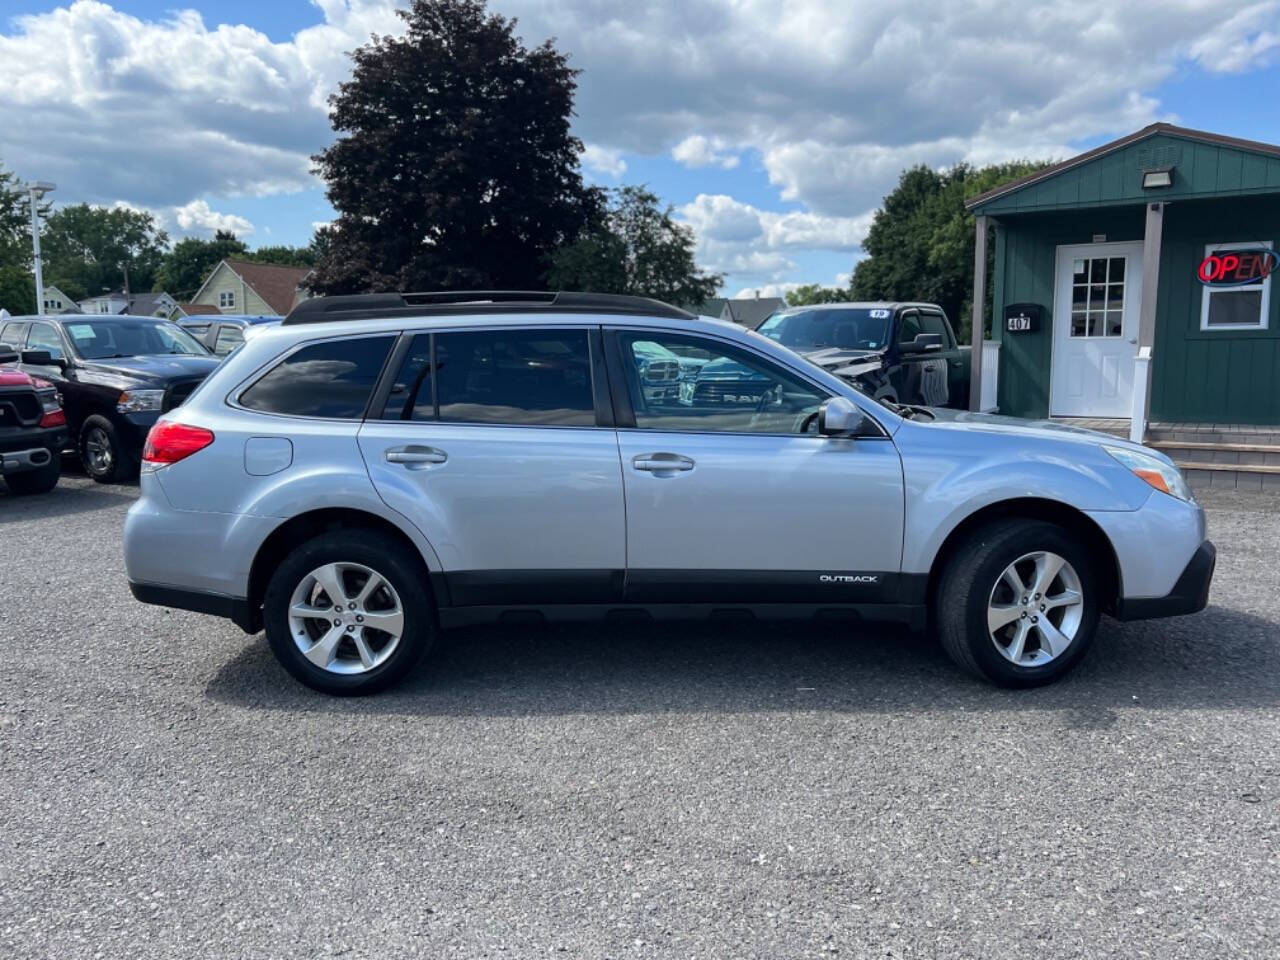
1160, 177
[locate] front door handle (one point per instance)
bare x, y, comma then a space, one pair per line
662, 463
416, 457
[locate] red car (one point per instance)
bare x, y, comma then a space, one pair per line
33, 429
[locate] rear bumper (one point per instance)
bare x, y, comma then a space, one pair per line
1189, 595
235, 609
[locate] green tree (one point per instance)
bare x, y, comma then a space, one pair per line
454, 165
284, 256
637, 249
189, 263
920, 245
17, 285
17, 289
811, 293
87, 250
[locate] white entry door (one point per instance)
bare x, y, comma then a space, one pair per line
1095, 329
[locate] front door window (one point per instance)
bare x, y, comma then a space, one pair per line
1097, 297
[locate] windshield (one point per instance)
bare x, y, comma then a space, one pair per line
857, 328
103, 339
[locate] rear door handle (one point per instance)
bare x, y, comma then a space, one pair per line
661, 463
415, 457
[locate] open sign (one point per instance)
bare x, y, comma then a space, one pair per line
1235, 268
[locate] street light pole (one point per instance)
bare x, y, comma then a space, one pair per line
36, 190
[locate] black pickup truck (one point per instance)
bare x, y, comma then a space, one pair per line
33, 428
900, 352
115, 376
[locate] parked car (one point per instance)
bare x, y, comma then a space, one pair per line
222, 333
33, 428
115, 375
900, 352
379, 466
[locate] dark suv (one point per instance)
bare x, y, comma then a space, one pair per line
115, 375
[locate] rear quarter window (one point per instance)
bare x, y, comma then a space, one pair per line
333, 380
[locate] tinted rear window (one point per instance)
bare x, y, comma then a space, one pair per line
332, 380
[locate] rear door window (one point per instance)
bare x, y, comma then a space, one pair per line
333, 380
520, 377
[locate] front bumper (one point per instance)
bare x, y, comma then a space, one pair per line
31, 448
1189, 595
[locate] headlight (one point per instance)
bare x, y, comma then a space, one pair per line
1165, 477
140, 401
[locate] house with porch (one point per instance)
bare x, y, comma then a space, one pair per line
1132, 291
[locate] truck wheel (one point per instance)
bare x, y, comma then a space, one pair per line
102, 453
40, 480
1018, 603
348, 612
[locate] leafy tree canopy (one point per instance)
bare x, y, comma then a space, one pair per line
86, 250
811, 293
454, 165
920, 245
188, 264
637, 249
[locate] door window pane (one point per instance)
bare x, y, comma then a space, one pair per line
1115, 272
1078, 324
720, 389
933, 323
1115, 323
411, 397
332, 380
229, 337
530, 377
42, 336
909, 328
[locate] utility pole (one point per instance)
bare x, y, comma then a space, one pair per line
36, 190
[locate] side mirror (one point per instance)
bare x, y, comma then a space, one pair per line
39, 358
840, 417
923, 343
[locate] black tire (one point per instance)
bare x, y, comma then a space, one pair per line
104, 456
965, 591
399, 565
40, 480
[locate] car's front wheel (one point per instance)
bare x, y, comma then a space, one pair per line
103, 453
1018, 603
348, 612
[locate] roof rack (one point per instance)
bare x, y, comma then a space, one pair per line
366, 306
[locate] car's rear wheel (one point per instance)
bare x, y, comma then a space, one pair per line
1018, 603
348, 612
103, 454
40, 480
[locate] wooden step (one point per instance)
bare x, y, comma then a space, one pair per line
1229, 447
1273, 470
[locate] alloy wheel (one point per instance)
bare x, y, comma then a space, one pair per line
1035, 609
98, 451
346, 618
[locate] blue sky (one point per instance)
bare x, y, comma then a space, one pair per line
773, 126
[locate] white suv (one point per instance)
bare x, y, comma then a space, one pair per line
379, 466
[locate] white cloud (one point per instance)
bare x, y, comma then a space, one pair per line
198, 217
604, 161
738, 238
699, 151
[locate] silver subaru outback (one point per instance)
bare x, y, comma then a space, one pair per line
377, 468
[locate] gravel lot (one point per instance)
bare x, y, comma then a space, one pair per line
729, 792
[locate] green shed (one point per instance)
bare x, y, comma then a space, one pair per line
1133, 282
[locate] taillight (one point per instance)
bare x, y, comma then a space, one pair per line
169, 442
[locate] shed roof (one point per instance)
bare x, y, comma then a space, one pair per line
1205, 165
